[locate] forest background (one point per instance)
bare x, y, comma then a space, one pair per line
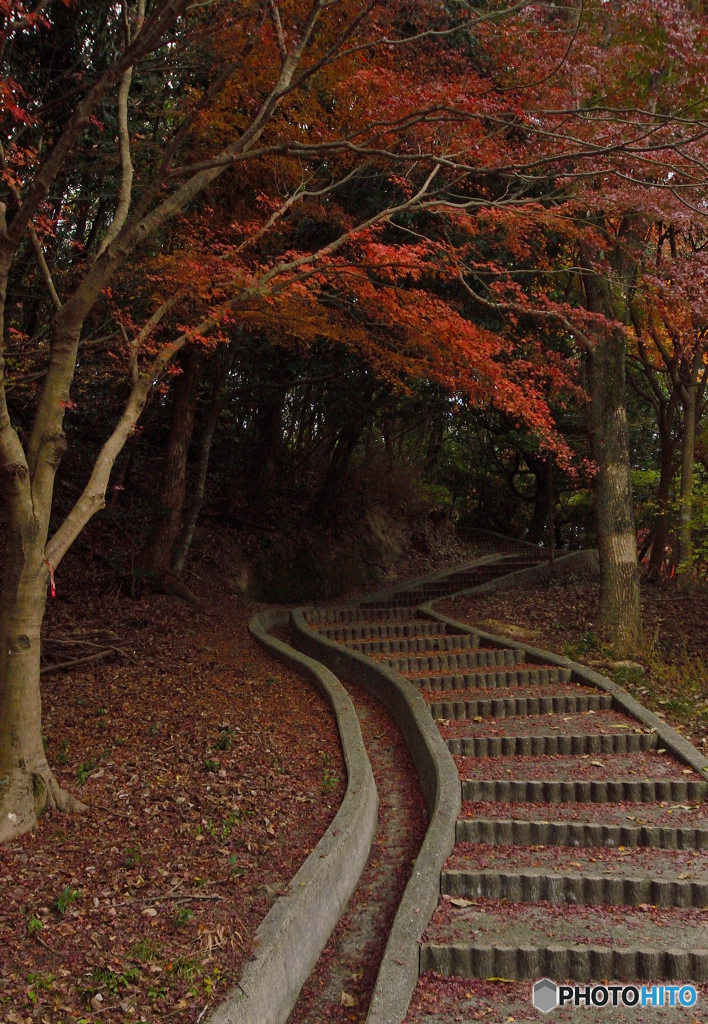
333, 274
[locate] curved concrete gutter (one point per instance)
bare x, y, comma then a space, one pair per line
295, 930
440, 784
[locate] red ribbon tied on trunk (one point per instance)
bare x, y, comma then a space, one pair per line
52, 588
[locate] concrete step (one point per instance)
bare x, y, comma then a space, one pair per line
506, 707
382, 630
470, 999
507, 831
449, 664
551, 744
579, 963
533, 940
415, 644
386, 613
530, 886
455, 582
522, 675
553, 791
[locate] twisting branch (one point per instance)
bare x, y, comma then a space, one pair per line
278, 26
34, 240
93, 497
517, 307
126, 163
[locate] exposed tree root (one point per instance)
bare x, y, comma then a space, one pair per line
25, 794
168, 583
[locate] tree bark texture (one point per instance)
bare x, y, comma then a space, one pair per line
27, 785
620, 599
620, 605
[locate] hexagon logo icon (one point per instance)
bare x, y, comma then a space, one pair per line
544, 995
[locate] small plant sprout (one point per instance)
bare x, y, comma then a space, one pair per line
330, 780
183, 915
34, 925
65, 898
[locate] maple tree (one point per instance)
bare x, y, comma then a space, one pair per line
281, 55
319, 170
671, 325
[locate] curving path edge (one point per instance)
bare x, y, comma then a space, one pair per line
293, 933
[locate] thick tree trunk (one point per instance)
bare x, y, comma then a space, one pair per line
27, 785
620, 605
173, 481
620, 599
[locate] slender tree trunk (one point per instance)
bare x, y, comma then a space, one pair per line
687, 458
224, 362
329, 493
551, 512
173, 480
267, 442
661, 522
542, 503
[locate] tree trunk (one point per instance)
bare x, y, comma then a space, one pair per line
661, 522
544, 496
173, 480
224, 362
620, 605
27, 785
266, 444
688, 399
620, 599
329, 494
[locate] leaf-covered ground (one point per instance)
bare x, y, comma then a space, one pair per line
210, 772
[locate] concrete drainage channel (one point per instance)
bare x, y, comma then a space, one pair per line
550, 790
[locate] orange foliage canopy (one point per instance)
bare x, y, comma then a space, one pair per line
377, 173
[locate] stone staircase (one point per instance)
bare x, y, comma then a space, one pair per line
569, 803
